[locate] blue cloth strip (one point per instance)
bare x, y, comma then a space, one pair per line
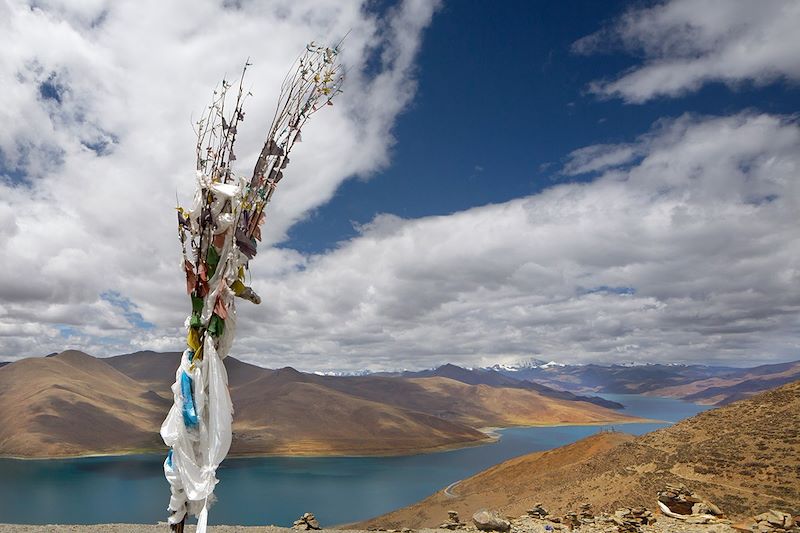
189, 412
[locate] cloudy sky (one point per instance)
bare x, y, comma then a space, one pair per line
604, 181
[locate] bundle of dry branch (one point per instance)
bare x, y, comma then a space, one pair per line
219, 236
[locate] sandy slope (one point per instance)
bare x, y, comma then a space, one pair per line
72, 404
745, 457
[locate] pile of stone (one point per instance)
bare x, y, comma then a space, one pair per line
538, 511
453, 522
571, 520
630, 520
679, 502
486, 521
586, 514
774, 520
306, 522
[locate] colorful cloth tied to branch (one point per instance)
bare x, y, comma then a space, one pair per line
219, 236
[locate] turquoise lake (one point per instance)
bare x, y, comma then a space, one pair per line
277, 490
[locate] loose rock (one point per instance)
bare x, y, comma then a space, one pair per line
629, 520
486, 521
774, 520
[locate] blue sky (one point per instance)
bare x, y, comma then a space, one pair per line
579, 181
461, 144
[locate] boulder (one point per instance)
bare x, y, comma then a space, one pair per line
486, 521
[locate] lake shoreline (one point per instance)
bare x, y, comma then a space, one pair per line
277, 489
491, 432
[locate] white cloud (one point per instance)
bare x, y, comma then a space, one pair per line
598, 157
97, 139
684, 248
689, 254
688, 43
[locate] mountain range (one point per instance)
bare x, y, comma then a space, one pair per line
743, 457
495, 378
72, 404
710, 385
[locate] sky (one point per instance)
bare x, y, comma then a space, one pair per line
581, 182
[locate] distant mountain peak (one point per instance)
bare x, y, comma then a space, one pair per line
288, 371
522, 364
73, 355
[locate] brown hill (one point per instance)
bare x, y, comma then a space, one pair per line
734, 386
488, 376
475, 405
158, 368
709, 385
745, 457
298, 417
74, 404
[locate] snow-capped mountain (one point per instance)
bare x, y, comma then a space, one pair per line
525, 364
340, 373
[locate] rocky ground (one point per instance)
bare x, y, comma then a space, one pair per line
522, 525
679, 510
661, 525
636, 520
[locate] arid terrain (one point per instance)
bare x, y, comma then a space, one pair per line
74, 404
728, 388
743, 457
709, 385
521, 525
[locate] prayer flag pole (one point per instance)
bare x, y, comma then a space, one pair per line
219, 236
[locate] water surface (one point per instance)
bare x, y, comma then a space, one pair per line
277, 490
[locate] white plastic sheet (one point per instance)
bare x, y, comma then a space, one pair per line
198, 450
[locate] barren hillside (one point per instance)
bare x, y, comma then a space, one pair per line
75, 404
745, 457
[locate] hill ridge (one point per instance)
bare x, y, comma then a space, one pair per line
88, 405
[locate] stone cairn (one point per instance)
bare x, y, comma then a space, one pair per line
630, 520
571, 520
538, 511
679, 502
306, 522
452, 522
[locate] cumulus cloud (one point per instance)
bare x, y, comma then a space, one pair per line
97, 140
687, 252
683, 247
688, 43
